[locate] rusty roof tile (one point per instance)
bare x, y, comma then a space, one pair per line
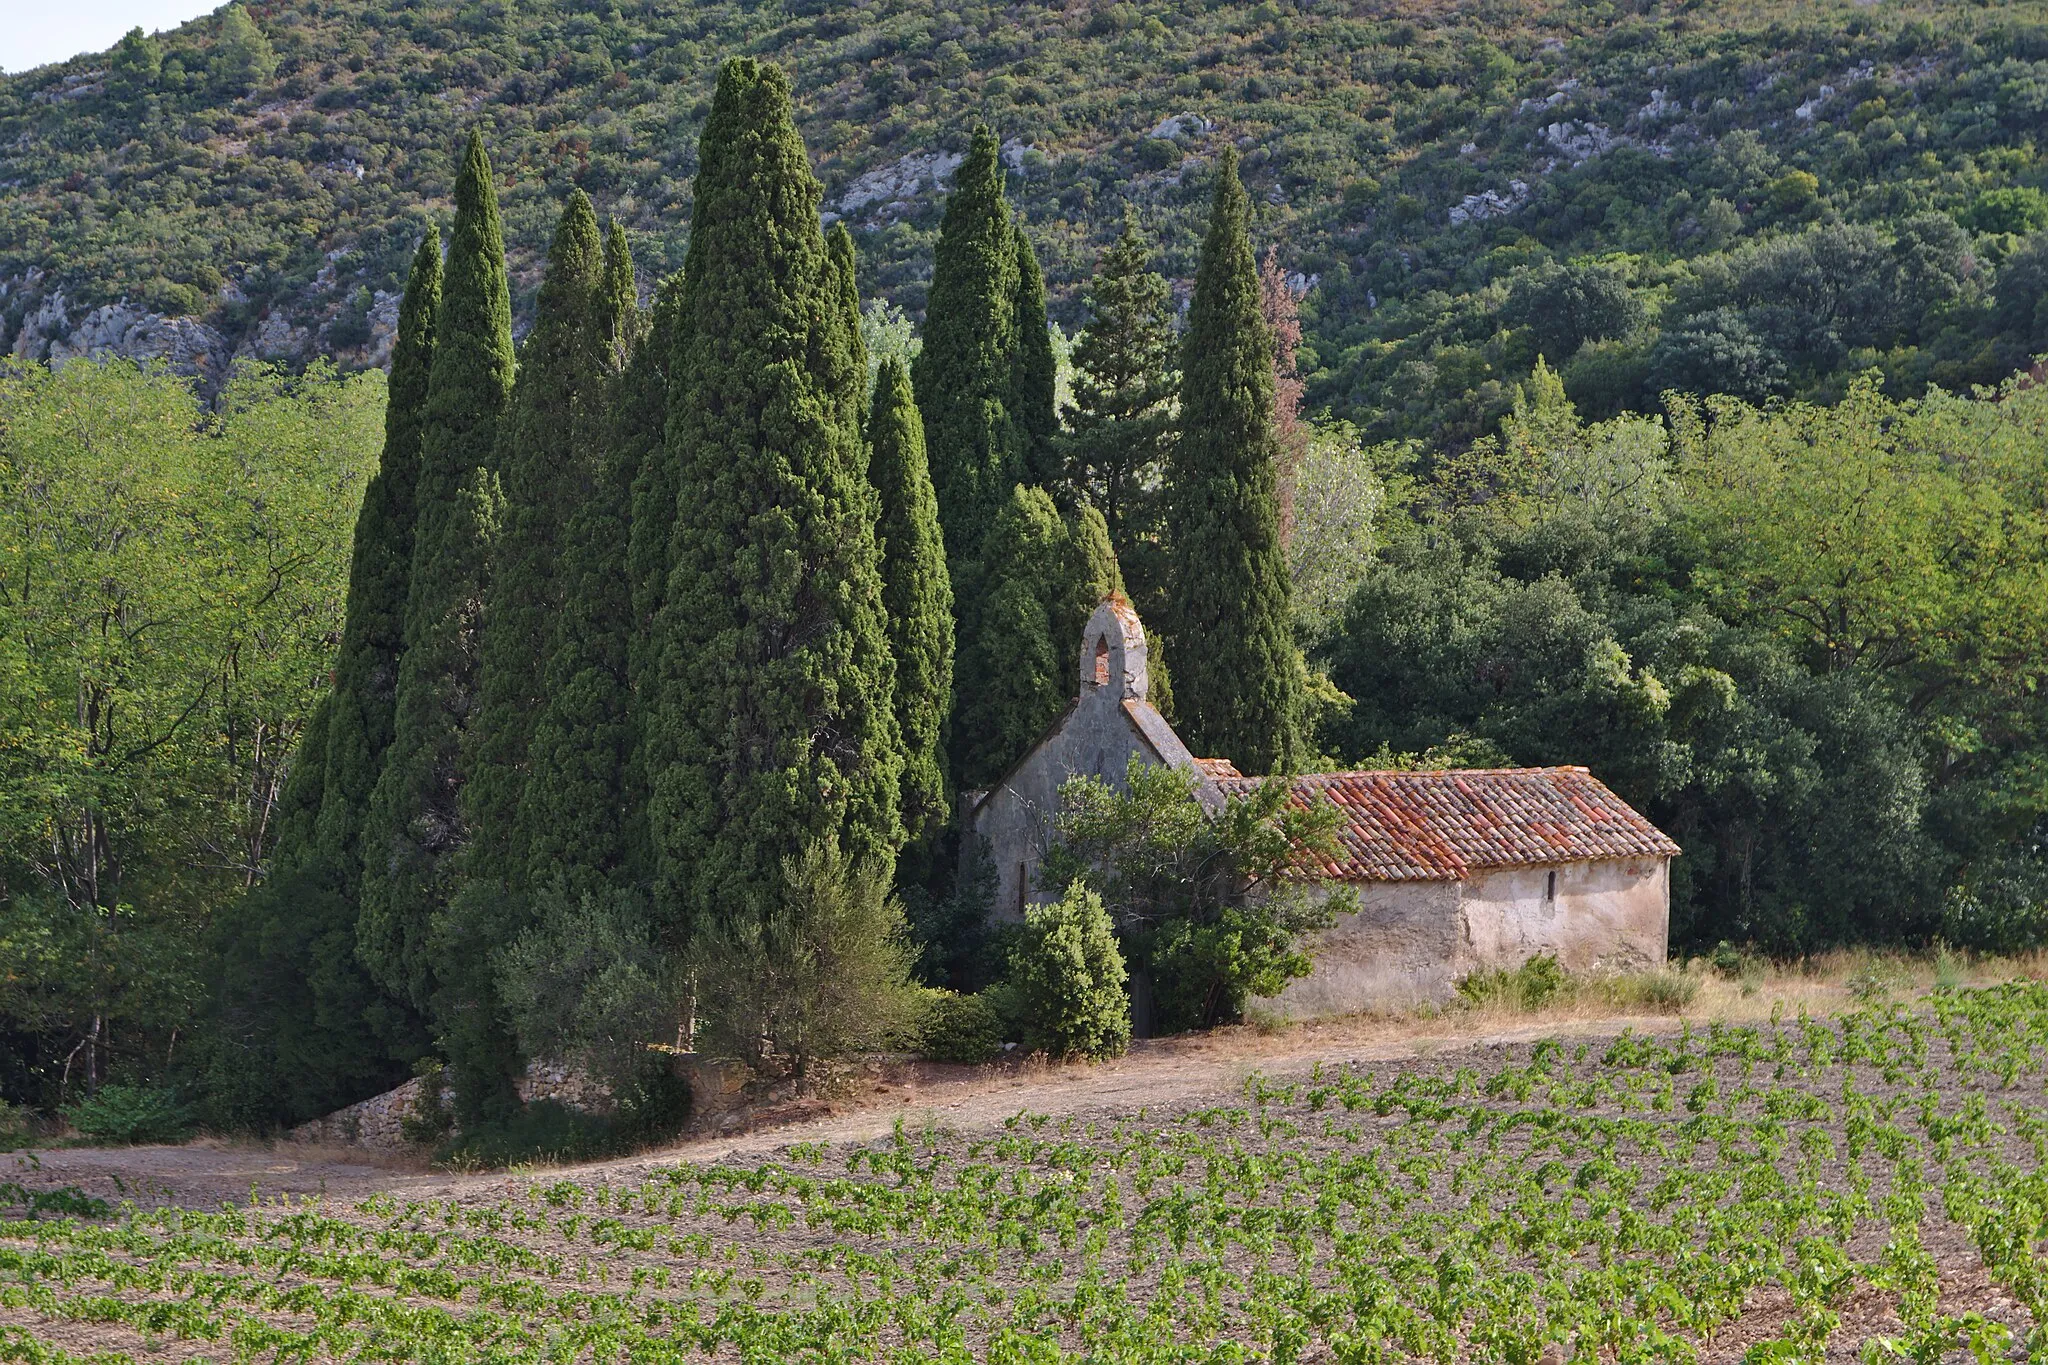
1439, 826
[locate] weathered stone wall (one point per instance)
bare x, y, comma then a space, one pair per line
375, 1122
1410, 943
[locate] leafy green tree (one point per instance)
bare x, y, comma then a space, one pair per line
136, 60
1122, 414
646, 395
1070, 979
1043, 576
1238, 683
414, 829
774, 726
549, 448
917, 594
964, 374
1035, 373
1214, 905
576, 817
172, 578
359, 710
243, 57
1566, 306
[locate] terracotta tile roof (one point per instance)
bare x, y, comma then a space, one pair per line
1438, 826
1217, 767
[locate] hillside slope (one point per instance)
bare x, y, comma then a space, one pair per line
237, 189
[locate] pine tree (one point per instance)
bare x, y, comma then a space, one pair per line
414, 827
1238, 679
963, 376
774, 726
549, 449
1042, 577
916, 592
1122, 413
575, 817
1034, 376
362, 706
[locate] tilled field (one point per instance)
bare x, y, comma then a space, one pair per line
1867, 1187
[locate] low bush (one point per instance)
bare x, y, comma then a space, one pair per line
1534, 984
543, 1131
1070, 978
962, 1028
131, 1114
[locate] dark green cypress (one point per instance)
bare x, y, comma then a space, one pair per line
774, 726
1123, 395
1237, 677
963, 376
840, 243
363, 705
575, 817
1042, 577
916, 591
414, 828
295, 819
1034, 375
641, 437
549, 449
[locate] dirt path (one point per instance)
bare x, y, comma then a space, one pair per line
1214, 1066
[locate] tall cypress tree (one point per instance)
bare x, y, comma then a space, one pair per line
774, 727
574, 819
365, 694
1043, 575
916, 592
641, 438
839, 242
1238, 680
1123, 394
549, 449
963, 376
1034, 376
414, 827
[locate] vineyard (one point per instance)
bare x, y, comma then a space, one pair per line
1868, 1187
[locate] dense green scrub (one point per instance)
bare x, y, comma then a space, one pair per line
1630, 1199
1775, 193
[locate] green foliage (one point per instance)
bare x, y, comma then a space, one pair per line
360, 709
129, 1114
917, 594
1070, 978
965, 373
428, 1119
1238, 683
414, 829
544, 1131
1530, 986
550, 449
774, 727
578, 815
1041, 577
588, 985
298, 1029
961, 1028
1122, 412
171, 581
243, 58
1034, 373
824, 973
1215, 906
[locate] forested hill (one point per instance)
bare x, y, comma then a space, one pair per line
1760, 195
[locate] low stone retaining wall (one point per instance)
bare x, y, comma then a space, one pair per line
376, 1122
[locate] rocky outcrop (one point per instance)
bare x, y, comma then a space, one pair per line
896, 189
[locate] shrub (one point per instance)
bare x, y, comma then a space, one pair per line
131, 1113
1070, 978
1664, 991
962, 1028
825, 973
542, 1131
1530, 986
15, 1129
428, 1120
